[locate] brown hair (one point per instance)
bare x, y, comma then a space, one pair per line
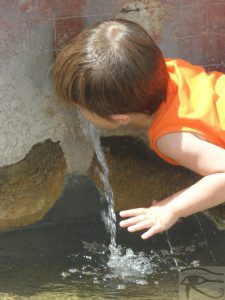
110, 68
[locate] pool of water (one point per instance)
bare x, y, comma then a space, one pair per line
61, 260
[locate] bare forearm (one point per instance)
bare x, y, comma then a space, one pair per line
206, 193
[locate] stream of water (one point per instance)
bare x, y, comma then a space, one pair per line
122, 263
108, 215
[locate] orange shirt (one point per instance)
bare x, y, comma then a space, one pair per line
195, 103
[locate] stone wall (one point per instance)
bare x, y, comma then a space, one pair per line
31, 33
32, 30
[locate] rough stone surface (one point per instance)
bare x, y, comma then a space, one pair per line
217, 214
29, 110
31, 31
29, 188
147, 13
138, 176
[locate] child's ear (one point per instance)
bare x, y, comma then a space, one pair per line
121, 118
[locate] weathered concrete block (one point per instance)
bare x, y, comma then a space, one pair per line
182, 21
29, 188
149, 14
216, 17
65, 30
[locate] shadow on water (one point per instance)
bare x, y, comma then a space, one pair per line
71, 260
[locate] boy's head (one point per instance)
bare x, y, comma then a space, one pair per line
113, 67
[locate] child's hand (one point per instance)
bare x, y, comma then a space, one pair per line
158, 218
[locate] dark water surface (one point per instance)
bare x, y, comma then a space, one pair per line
73, 260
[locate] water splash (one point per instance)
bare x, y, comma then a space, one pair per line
130, 266
124, 264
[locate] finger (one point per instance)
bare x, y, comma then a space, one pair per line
141, 225
133, 212
154, 202
132, 221
152, 231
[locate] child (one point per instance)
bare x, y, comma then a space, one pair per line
115, 75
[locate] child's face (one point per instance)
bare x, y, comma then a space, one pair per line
98, 121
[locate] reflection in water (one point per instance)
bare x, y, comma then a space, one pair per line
68, 260
74, 259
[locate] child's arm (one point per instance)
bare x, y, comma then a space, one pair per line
197, 155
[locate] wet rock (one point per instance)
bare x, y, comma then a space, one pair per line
217, 215
138, 176
29, 188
